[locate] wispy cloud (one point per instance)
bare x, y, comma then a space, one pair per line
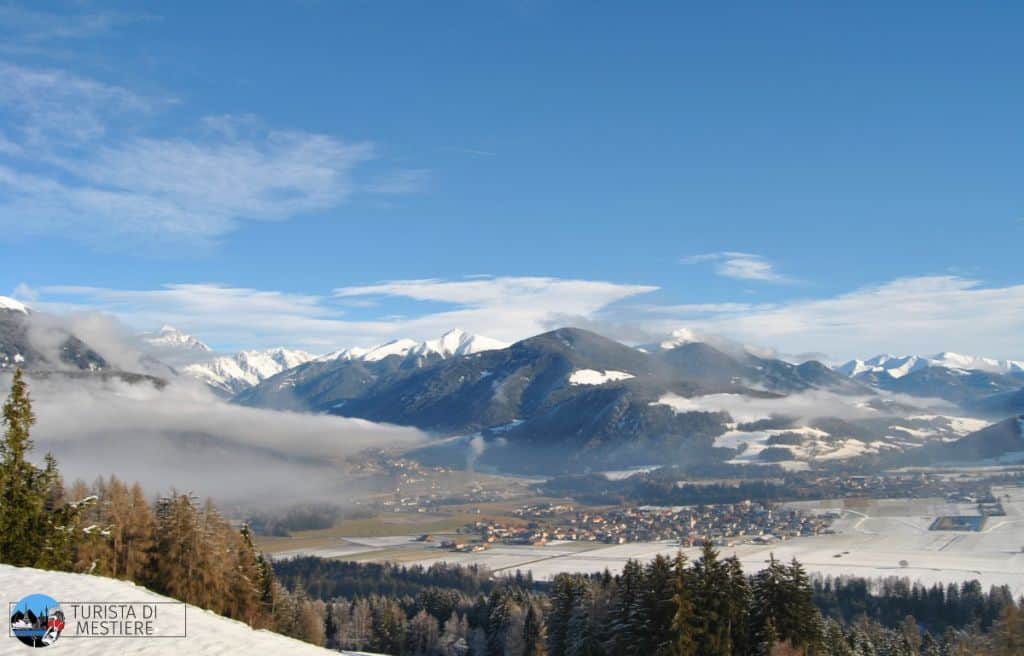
922, 314
75, 158
507, 308
741, 266
22, 27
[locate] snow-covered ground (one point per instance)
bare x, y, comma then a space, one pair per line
208, 634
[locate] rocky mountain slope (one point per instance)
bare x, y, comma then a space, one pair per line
41, 347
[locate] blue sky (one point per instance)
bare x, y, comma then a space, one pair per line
837, 180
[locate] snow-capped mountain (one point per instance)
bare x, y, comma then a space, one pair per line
452, 343
170, 338
899, 366
7, 303
231, 374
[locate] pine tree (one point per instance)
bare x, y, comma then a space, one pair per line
799, 619
625, 619
22, 486
582, 638
563, 597
533, 633
712, 622
498, 617
738, 597
768, 602
683, 643
657, 607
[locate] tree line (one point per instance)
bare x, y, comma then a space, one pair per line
709, 607
175, 546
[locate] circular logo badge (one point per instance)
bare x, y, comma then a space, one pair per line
37, 620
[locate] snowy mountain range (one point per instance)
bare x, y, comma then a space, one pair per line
231, 374
898, 366
452, 343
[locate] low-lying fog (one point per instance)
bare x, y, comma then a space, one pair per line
183, 437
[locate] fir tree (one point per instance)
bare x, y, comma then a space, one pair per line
657, 607
712, 622
683, 643
533, 632
22, 486
625, 618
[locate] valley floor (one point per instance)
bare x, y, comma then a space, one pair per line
874, 538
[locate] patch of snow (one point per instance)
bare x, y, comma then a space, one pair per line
594, 377
623, 474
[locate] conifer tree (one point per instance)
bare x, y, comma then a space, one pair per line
22, 486
712, 623
683, 643
563, 597
738, 597
533, 632
625, 620
657, 607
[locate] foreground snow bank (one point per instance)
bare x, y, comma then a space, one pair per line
208, 633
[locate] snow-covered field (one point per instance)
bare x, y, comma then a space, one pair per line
208, 634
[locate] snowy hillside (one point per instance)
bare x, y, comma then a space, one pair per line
233, 373
208, 633
899, 366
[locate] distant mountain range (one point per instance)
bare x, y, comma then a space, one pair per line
898, 366
571, 399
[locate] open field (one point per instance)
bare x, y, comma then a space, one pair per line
874, 538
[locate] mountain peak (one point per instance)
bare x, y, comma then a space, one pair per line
169, 337
7, 303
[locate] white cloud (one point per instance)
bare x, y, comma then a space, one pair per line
47, 108
26, 27
181, 436
922, 314
78, 162
508, 308
741, 266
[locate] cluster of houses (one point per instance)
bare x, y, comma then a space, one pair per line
722, 524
